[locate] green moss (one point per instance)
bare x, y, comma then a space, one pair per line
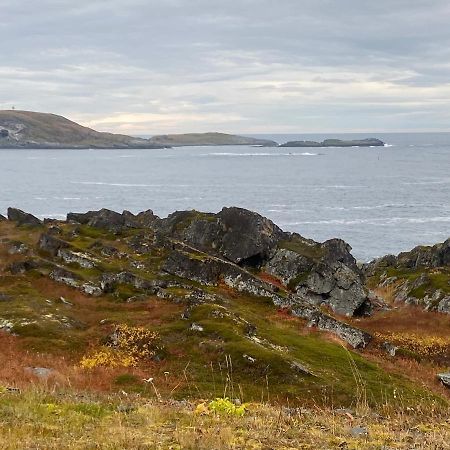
312, 251
297, 280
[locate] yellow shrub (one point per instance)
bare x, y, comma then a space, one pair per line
421, 344
127, 346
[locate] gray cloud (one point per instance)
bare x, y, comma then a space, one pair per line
146, 66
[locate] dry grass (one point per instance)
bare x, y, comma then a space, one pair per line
36, 419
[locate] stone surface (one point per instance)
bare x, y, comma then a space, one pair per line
23, 218
444, 378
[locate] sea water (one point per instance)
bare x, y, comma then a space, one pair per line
381, 200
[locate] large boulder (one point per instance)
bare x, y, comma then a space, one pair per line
241, 236
336, 286
321, 274
23, 218
51, 244
112, 220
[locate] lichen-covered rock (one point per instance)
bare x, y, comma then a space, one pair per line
288, 265
23, 218
51, 244
65, 276
353, 336
425, 257
239, 235
336, 286
21, 267
112, 220
444, 378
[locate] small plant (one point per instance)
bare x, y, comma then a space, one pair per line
126, 347
221, 406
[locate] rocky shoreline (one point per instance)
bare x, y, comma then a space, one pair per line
193, 258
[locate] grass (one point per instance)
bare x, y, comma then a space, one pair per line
245, 349
37, 418
303, 247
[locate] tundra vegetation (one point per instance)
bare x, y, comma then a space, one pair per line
216, 331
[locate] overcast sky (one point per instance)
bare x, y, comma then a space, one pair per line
247, 66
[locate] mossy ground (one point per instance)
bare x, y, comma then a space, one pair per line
36, 418
245, 348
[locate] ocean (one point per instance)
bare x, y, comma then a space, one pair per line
380, 200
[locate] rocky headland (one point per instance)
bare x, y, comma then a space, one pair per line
33, 130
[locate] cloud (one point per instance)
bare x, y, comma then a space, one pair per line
240, 66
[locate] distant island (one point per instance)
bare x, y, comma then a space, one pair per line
336, 143
206, 139
34, 130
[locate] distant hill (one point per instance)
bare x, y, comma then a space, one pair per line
26, 129
193, 139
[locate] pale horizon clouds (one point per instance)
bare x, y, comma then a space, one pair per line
248, 66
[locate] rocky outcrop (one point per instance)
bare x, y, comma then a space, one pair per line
418, 277
112, 220
371, 142
239, 235
211, 271
353, 336
322, 274
51, 244
23, 218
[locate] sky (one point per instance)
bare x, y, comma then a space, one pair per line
243, 66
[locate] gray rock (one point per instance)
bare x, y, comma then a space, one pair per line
196, 327
389, 348
288, 265
444, 305
444, 378
23, 218
21, 267
65, 276
82, 259
337, 286
104, 218
17, 248
241, 236
5, 297
40, 372
51, 244
355, 337
359, 432
419, 257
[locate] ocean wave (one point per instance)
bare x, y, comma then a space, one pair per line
102, 183
385, 206
260, 154
424, 183
380, 221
